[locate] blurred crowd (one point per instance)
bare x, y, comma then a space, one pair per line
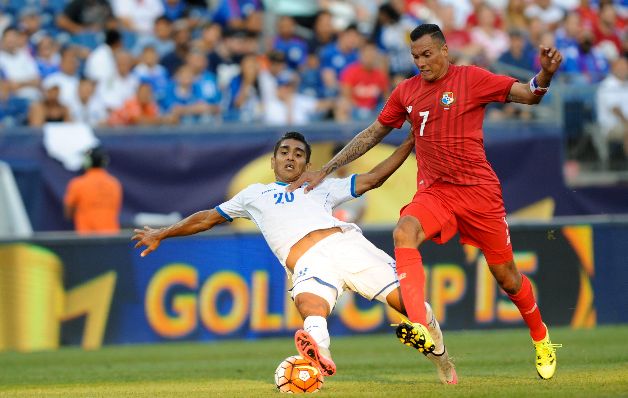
159, 62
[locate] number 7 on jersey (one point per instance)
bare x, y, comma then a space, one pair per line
425, 115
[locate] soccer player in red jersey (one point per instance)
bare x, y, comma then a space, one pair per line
457, 190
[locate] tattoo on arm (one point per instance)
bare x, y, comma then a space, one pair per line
358, 146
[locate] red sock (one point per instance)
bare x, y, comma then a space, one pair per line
525, 302
412, 280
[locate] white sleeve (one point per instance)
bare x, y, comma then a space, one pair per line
341, 189
235, 207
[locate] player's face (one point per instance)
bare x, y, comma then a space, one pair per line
289, 161
430, 57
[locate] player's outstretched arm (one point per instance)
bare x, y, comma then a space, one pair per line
358, 146
197, 222
380, 173
532, 92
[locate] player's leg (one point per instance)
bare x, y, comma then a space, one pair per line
313, 340
439, 357
426, 217
315, 290
487, 229
520, 292
408, 235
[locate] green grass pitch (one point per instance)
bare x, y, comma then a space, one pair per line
592, 363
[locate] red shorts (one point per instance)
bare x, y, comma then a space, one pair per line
475, 211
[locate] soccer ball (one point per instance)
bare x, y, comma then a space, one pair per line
295, 375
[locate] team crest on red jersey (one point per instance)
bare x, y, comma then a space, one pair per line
447, 99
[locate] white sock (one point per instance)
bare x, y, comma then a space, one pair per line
434, 328
316, 326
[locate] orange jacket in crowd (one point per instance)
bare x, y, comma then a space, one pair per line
94, 201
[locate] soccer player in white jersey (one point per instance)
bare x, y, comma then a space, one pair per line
323, 255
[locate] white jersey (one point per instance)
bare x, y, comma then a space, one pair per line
284, 218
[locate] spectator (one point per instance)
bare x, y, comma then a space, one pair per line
461, 49
160, 40
268, 76
211, 35
184, 100
176, 10
344, 13
336, 56
47, 56
149, 70
114, 92
548, 13
49, 109
292, 46
514, 17
226, 59
493, 41
612, 111
81, 16
101, 63
174, 59
251, 45
324, 32
137, 15
588, 64
391, 34
365, 84
290, 107
88, 108
311, 77
608, 27
18, 66
67, 77
535, 30
243, 98
13, 111
473, 19
588, 15
567, 33
204, 80
520, 55
94, 199
242, 14
30, 26
139, 110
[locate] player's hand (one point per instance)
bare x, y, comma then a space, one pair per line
148, 237
313, 178
550, 59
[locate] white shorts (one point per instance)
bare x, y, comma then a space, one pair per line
345, 261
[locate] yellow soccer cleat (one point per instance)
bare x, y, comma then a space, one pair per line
546, 357
415, 335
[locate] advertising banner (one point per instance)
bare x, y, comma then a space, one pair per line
91, 291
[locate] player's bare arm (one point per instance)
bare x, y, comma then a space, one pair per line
358, 146
197, 222
380, 173
532, 92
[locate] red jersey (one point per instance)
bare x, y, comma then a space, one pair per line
447, 116
367, 86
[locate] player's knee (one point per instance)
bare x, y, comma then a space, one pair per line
408, 233
310, 304
508, 278
395, 300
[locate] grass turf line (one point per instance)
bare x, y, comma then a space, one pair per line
593, 363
